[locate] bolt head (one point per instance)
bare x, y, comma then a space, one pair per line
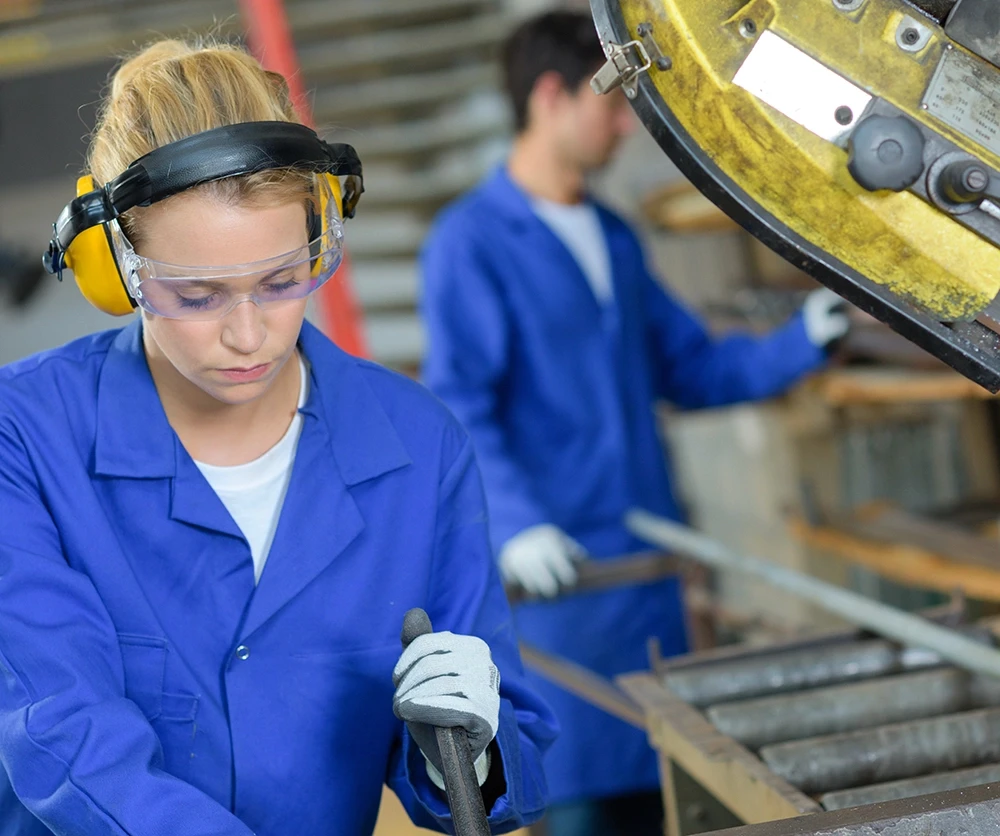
976, 179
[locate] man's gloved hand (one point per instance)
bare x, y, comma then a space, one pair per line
444, 680
540, 559
825, 317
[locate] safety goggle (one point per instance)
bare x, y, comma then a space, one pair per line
207, 293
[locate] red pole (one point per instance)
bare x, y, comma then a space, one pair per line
270, 39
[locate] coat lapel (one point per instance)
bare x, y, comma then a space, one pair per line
347, 439
135, 440
565, 283
193, 501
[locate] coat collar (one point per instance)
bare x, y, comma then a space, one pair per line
500, 189
509, 198
347, 438
135, 440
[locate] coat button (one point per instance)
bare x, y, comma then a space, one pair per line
243, 652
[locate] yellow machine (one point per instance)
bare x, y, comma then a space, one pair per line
860, 139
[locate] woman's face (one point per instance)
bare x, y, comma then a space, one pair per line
234, 359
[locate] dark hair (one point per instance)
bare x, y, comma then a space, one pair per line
562, 41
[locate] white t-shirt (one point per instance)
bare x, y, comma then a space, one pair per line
254, 492
578, 226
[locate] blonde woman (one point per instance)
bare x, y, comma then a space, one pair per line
212, 521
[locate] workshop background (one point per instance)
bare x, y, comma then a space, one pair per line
882, 475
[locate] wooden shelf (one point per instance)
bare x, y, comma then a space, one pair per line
905, 563
848, 387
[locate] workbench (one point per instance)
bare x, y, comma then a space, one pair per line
810, 721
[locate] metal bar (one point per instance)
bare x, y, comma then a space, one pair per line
888, 753
928, 784
844, 708
970, 812
597, 575
465, 799
585, 684
794, 670
884, 620
952, 614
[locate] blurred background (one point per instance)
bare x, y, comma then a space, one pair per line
830, 479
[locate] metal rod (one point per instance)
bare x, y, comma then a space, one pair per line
895, 790
587, 685
465, 799
882, 619
598, 575
843, 708
887, 753
793, 670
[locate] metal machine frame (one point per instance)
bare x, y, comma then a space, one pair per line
971, 348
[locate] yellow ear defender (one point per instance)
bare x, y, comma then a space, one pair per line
82, 243
92, 259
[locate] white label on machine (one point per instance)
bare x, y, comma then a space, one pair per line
965, 93
800, 87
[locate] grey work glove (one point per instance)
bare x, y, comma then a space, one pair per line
825, 317
541, 559
445, 680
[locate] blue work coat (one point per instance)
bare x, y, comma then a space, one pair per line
148, 688
558, 394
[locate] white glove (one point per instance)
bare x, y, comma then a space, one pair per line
541, 558
444, 680
824, 317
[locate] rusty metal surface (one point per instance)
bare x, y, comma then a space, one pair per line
845, 708
925, 785
891, 760
968, 812
724, 767
888, 753
794, 670
953, 614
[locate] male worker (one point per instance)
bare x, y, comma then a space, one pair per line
551, 341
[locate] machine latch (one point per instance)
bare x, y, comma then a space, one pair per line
626, 62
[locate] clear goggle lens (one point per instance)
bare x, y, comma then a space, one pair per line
204, 293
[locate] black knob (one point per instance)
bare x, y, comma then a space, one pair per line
886, 152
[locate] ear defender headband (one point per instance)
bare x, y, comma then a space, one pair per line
81, 240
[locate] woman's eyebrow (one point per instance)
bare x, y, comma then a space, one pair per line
196, 284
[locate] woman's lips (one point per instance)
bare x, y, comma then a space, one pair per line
246, 375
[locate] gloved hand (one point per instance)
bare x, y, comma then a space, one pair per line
445, 680
825, 317
541, 558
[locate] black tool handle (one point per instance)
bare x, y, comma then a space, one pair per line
460, 783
